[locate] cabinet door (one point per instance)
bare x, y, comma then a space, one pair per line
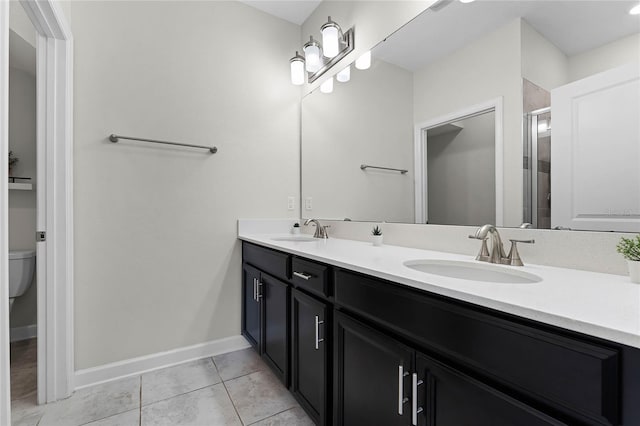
446, 397
372, 376
310, 323
275, 331
251, 312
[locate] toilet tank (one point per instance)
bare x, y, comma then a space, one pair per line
22, 264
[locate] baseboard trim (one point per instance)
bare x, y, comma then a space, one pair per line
135, 366
23, 333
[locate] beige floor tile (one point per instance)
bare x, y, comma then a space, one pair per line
238, 363
259, 395
94, 403
174, 381
208, 406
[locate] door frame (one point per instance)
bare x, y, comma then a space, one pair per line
54, 77
420, 150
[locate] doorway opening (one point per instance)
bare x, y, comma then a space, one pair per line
53, 189
459, 167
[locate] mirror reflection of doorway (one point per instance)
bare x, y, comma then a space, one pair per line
460, 171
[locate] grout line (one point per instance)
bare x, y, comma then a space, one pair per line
243, 375
232, 403
273, 415
227, 391
140, 409
179, 394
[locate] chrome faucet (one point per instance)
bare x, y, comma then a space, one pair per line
497, 253
321, 231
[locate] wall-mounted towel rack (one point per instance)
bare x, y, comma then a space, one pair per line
114, 138
366, 166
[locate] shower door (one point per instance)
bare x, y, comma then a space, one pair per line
537, 168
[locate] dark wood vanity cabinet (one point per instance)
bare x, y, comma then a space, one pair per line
311, 339
379, 380
265, 306
371, 376
251, 307
365, 351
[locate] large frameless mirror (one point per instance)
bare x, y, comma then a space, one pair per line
518, 113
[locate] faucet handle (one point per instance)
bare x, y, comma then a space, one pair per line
523, 241
513, 258
483, 254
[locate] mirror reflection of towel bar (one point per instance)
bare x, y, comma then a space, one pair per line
366, 166
114, 138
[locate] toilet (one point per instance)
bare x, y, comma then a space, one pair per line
22, 264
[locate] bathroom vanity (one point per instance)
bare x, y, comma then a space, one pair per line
358, 342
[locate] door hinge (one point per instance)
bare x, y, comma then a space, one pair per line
41, 236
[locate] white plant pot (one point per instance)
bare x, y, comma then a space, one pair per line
376, 240
634, 271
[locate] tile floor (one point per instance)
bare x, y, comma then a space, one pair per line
230, 389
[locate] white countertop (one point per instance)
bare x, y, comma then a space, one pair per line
601, 305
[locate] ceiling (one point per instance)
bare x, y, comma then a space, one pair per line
296, 11
574, 26
22, 55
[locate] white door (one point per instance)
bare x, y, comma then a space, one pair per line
595, 152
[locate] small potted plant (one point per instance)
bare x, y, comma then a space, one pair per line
630, 249
12, 162
376, 236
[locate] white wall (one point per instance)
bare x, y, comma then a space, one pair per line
461, 173
542, 62
157, 263
483, 70
615, 54
373, 21
356, 125
22, 204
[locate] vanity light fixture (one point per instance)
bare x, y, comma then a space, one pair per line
330, 38
319, 58
344, 75
635, 10
297, 69
364, 61
311, 51
466, 1
327, 86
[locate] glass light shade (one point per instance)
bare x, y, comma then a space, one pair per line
330, 43
635, 10
344, 75
312, 57
327, 86
364, 61
466, 1
297, 71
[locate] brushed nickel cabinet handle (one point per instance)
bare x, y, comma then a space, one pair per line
318, 339
302, 275
415, 410
401, 398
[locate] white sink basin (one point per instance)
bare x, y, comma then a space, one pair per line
300, 238
472, 271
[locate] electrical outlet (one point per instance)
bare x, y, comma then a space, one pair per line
308, 203
291, 203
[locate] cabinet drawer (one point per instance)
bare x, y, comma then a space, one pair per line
267, 260
570, 374
311, 276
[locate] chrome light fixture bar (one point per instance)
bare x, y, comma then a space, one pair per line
319, 58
